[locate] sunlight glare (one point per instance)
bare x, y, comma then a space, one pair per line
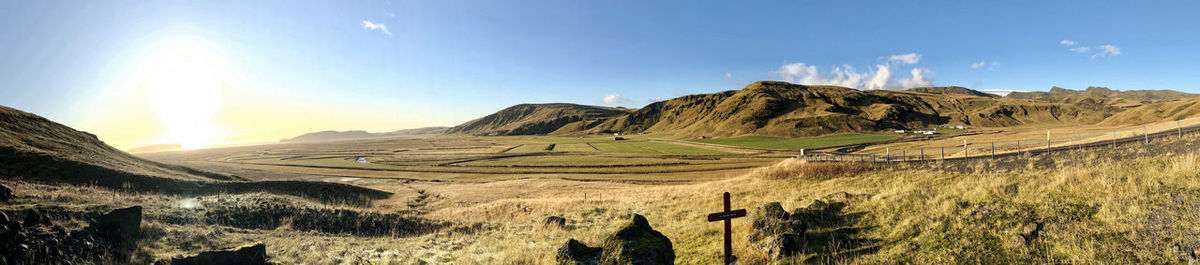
184, 91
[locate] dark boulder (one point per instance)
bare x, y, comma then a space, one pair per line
775, 231
255, 254
119, 227
555, 221
576, 253
635, 243
6, 193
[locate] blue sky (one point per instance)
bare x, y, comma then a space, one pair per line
444, 62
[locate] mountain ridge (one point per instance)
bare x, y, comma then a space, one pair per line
774, 108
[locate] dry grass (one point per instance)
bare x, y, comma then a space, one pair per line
794, 168
1093, 211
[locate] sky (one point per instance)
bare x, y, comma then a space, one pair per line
229, 72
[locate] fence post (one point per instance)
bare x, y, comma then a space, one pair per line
943, 153
922, 154
888, 155
1047, 142
1179, 129
1018, 148
1146, 133
1114, 139
965, 153
903, 155
993, 151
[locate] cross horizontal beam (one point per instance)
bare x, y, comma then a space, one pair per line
713, 217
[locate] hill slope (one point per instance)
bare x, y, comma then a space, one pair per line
784, 109
33, 148
528, 119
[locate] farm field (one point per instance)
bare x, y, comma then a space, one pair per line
768, 142
481, 158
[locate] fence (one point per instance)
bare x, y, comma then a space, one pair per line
1065, 140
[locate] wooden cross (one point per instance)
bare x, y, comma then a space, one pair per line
727, 216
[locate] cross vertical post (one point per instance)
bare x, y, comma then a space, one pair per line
727, 215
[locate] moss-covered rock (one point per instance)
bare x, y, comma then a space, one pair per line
775, 231
636, 243
576, 253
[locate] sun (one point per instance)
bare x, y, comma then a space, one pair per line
184, 90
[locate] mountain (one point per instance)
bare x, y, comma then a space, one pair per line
952, 90
154, 148
1059, 94
790, 110
532, 119
358, 134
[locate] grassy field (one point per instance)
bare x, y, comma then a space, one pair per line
768, 142
1140, 209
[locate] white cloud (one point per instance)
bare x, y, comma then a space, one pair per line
909, 58
848, 76
376, 26
614, 99
978, 65
1107, 50
1066, 42
1080, 49
728, 75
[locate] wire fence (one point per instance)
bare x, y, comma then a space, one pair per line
1065, 139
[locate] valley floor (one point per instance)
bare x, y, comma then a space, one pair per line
1142, 208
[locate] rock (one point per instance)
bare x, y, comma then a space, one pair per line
1029, 233
637, 243
33, 217
6, 193
255, 254
576, 253
555, 221
775, 231
119, 227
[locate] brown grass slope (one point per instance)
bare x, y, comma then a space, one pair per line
36, 149
1169, 110
530, 119
785, 109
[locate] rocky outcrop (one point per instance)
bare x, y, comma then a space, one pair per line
634, 243
108, 239
775, 231
254, 254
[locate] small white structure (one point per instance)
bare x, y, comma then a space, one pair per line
901, 131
